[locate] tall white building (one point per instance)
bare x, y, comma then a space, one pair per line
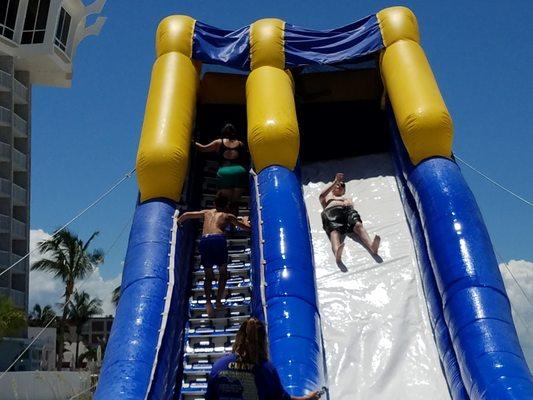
38, 41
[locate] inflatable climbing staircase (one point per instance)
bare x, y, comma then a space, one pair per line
208, 339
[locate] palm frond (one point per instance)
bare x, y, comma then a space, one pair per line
88, 242
58, 269
96, 257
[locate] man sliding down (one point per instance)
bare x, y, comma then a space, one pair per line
340, 218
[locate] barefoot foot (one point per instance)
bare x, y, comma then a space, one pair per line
375, 244
338, 253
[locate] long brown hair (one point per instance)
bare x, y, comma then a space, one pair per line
251, 343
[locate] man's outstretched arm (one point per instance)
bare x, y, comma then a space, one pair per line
190, 215
338, 178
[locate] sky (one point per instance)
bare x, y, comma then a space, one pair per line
85, 138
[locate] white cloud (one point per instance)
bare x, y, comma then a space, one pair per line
518, 278
44, 289
96, 286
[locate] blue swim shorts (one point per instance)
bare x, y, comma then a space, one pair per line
213, 250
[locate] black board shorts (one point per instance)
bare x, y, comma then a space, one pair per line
340, 218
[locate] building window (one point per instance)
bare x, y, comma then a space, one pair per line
35, 22
8, 17
63, 26
98, 326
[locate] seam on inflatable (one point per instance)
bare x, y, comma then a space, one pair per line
168, 299
447, 290
137, 280
454, 337
313, 306
506, 352
130, 360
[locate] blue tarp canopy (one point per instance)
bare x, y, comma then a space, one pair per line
349, 43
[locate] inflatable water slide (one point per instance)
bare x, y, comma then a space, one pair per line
427, 318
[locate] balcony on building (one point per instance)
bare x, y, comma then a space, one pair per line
19, 195
19, 229
18, 298
20, 126
5, 188
7, 259
5, 81
19, 161
20, 92
5, 223
22, 266
5, 116
5, 152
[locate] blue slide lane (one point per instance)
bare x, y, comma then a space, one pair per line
292, 310
132, 349
476, 309
433, 299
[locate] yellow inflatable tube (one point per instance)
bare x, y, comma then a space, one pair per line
163, 155
273, 135
424, 122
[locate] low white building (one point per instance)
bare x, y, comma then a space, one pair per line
38, 41
47, 340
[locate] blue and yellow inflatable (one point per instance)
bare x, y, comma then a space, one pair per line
468, 305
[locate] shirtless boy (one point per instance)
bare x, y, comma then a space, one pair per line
340, 218
213, 246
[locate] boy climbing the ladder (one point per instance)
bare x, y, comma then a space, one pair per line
213, 246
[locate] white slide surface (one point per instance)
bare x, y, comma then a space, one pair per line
377, 335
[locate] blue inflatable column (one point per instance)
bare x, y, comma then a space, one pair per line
279, 218
433, 299
476, 307
142, 358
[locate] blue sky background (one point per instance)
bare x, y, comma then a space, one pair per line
85, 138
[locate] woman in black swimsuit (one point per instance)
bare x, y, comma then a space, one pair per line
232, 175
340, 218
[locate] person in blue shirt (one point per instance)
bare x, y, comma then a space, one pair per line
246, 373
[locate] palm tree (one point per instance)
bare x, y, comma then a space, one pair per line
116, 296
11, 319
80, 310
67, 257
41, 316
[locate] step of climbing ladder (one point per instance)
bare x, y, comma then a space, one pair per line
208, 339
